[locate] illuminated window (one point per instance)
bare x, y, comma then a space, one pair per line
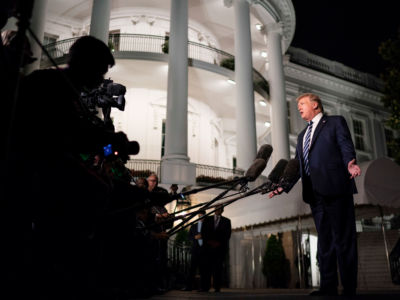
359, 131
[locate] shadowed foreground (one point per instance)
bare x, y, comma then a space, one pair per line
280, 294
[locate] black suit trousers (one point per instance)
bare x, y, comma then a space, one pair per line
334, 219
196, 262
214, 258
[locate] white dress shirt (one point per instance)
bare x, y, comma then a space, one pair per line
200, 241
315, 121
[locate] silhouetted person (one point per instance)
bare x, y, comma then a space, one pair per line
160, 215
173, 189
142, 183
197, 256
215, 232
48, 179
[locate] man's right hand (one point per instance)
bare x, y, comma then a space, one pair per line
275, 192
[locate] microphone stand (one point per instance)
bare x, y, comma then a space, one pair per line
261, 188
195, 212
202, 217
200, 204
147, 203
191, 216
233, 181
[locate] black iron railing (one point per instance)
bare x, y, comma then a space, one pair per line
211, 174
143, 167
204, 173
179, 256
124, 42
207, 53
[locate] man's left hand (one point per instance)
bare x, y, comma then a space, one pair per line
354, 169
275, 192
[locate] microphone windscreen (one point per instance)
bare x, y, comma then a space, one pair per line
291, 171
277, 171
264, 152
255, 169
133, 147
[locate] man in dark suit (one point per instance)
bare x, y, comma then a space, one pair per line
326, 155
216, 232
160, 215
197, 261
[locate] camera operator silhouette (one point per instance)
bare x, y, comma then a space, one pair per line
64, 198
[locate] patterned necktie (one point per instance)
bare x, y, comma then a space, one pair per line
199, 224
216, 221
306, 150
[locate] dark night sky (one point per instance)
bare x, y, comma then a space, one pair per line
349, 31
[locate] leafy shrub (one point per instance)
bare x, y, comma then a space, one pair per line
209, 179
165, 46
275, 265
228, 63
182, 238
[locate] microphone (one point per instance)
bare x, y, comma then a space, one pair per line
259, 163
264, 152
290, 174
255, 169
275, 175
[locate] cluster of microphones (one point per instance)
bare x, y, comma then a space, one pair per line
283, 175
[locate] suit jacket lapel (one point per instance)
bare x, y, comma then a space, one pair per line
317, 131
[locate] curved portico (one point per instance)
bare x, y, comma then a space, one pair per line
251, 45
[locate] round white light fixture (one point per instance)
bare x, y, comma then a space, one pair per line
264, 54
267, 124
259, 26
262, 103
231, 81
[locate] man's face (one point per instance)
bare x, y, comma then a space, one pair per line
219, 211
141, 184
307, 109
152, 182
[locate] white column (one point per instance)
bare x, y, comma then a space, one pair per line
175, 166
246, 139
37, 26
279, 114
100, 20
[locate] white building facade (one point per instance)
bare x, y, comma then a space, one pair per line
205, 119
191, 113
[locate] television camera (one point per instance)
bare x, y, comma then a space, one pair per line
108, 95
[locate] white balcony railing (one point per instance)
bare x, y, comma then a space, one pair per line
156, 44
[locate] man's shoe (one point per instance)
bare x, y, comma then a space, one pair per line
324, 293
186, 289
202, 291
217, 290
